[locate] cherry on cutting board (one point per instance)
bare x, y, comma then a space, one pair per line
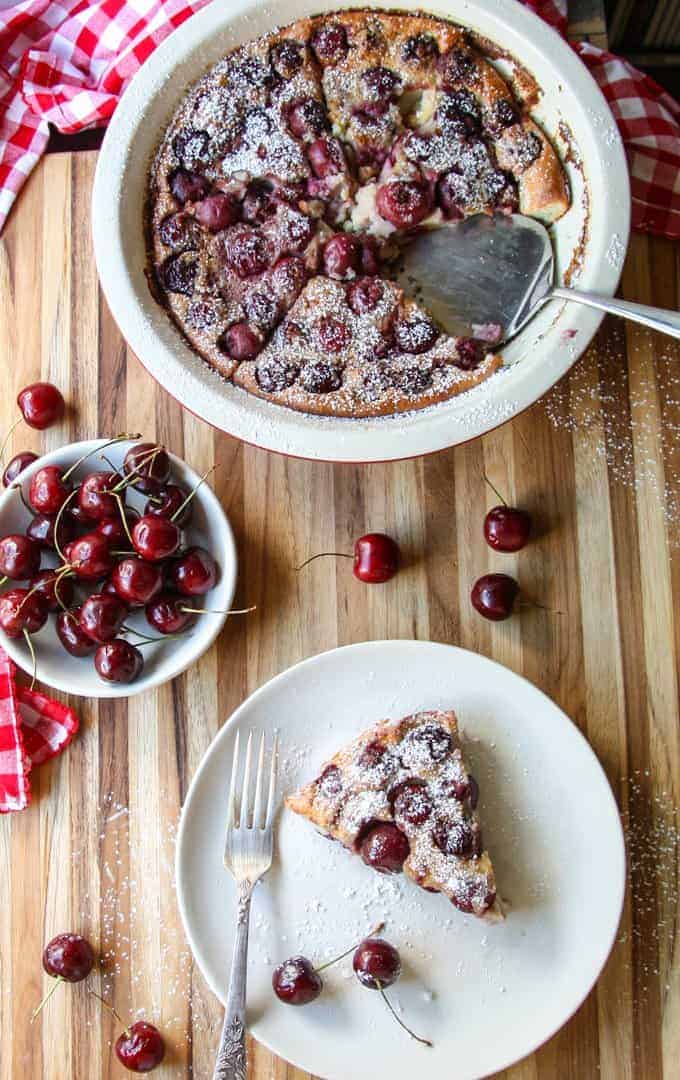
297, 982
494, 595
506, 528
67, 958
140, 1048
41, 405
376, 558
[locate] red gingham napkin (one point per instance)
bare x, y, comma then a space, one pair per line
68, 63
33, 729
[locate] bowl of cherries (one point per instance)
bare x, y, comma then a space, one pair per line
117, 567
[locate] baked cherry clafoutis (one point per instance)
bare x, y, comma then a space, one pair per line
402, 797
290, 176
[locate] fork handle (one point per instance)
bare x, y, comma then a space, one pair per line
666, 322
231, 1056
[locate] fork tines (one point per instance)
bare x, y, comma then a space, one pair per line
245, 810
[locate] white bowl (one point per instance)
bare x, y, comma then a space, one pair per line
594, 233
209, 527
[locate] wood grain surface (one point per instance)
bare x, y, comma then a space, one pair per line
597, 463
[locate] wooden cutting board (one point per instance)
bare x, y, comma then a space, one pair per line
597, 465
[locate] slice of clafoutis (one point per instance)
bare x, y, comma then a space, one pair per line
401, 796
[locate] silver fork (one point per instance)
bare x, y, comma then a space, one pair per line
248, 853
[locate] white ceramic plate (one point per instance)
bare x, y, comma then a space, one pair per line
209, 528
486, 995
539, 356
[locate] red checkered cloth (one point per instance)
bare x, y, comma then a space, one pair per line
33, 729
67, 64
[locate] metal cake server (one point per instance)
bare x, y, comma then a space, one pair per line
496, 272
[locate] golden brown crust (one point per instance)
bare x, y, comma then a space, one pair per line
357, 789
203, 294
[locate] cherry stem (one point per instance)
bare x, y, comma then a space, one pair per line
217, 611
121, 510
64, 571
7, 438
135, 473
533, 604
57, 522
34, 1015
123, 437
495, 490
119, 1018
191, 494
27, 638
146, 640
323, 555
3, 580
375, 930
425, 1042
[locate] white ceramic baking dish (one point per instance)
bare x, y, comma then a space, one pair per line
594, 233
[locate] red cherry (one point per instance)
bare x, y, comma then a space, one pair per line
48, 491
167, 502
90, 556
246, 250
41, 529
307, 118
341, 255
216, 212
376, 963
187, 186
140, 1048
195, 573
72, 636
93, 498
376, 558
53, 587
17, 465
167, 614
364, 294
156, 538
404, 203
41, 405
385, 848
150, 465
325, 157
118, 661
19, 557
136, 581
506, 528
69, 957
494, 595
101, 616
240, 342
113, 530
330, 44
295, 982
22, 610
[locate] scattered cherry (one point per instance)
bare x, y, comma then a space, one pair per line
19, 557
195, 573
156, 538
69, 957
494, 595
41, 405
101, 616
54, 587
506, 528
118, 661
376, 558
72, 636
17, 465
376, 963
140, 1048
22, 610
295, 981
